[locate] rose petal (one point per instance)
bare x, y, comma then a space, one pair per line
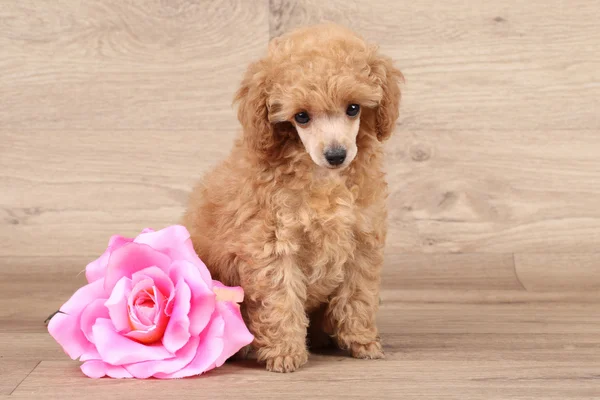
155, 329
65, 330
183, 357
90, 314
159, 278
177, 333
235, 334
98, 369
175, 242
131, 258
203, 297
97, 268
147, 315
117, 305
148, 336
118, 350
211, 346
91, 354
65, 326
139, 321
82, 297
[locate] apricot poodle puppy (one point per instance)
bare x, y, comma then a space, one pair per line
296, 215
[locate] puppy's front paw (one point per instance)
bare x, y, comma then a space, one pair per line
286, 363
369, 351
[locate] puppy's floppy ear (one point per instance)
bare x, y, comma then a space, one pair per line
253, 111
389, 78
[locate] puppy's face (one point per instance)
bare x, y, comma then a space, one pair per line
319, 87
329, 138
327, 102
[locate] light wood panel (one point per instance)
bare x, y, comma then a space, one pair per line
118, 182
488, 191
414, 346
461, 191
111, 122
125, 64
13, 372
32, 288
456, 379
111, 110
559, 272
453, 272
479, 65
520, 350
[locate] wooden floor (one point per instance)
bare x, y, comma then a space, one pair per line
110, 110
440, 344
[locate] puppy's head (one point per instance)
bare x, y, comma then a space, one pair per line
320, 87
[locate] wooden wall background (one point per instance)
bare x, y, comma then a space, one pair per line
110, 110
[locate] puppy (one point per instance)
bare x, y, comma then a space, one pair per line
296, 215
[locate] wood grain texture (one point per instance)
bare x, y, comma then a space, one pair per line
559, 272
450, 192
111, 110
478, 65
31, 288
487, 191
527, 349
13, 372
48, 281
111, 122
519, 344
449, 272
118, 182
456, 380
125, 64
475, 351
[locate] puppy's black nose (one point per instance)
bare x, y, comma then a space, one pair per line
335, 156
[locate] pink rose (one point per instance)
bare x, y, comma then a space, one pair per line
151, 309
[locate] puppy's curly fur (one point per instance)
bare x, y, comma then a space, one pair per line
305, 242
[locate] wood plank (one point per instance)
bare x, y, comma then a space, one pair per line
30, 346
52, 280
387, 379
122, 64
32, 288
430, 22
512, 68
536, 350
481, 191
13, 372
465, 191
452, 272
526, 317
440, 295
559, 272
97, 177
478, 65
491, 210
399, 344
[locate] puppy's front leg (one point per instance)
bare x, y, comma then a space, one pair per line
352, 310
276, 294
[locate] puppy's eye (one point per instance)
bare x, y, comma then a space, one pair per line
352, 110
302, 118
